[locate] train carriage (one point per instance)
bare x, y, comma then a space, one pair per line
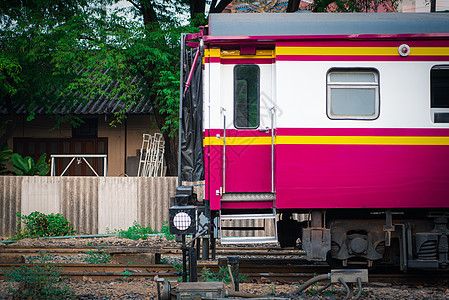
341, 117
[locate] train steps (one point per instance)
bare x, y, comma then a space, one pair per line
249, 228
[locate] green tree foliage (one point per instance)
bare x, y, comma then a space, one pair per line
39, 49
145, 47
55, 53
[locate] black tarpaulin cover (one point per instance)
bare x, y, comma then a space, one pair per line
192, 162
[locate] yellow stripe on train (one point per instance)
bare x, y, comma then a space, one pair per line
330, 140
234, 54
361, 51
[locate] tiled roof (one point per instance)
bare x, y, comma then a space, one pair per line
106, 103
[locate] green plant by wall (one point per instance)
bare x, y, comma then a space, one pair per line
38, 224
27, 166
136, 232
166, 231
41, 280
97, 257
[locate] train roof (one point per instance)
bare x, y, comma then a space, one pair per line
296, 24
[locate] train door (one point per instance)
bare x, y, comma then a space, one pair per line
247, 111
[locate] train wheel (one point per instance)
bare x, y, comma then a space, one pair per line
289, 231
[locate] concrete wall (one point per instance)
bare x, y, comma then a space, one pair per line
41, 194
96, 205
93, 205
10, 203
79, 203
117, 203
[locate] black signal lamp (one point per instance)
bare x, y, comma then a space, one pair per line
183, 219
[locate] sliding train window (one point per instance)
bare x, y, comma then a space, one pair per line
246, 96
439, 94
353, 94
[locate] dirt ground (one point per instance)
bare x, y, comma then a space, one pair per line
146, 289
128, 288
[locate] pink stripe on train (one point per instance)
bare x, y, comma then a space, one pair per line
359, 58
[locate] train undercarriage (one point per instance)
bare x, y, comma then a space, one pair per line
411, 239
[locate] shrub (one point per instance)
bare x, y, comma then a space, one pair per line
166, 231
97, 257
27, 166
41, 225
41, 280
136, 232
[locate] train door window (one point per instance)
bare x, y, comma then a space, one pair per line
246, 96
439, 94
353, 94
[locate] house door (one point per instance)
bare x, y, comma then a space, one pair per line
248, 122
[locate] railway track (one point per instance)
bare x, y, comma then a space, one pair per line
290, 268
113, 271
220, 251
254, 272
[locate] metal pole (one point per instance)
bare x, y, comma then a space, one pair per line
212, 235
193, 265
223, 110
273, 109
184, 258
181, 96
205, 249
52, 166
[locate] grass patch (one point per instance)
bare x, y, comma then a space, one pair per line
41, 280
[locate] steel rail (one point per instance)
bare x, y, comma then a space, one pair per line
284, 273
68, 250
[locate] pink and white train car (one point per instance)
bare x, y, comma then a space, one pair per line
342, 117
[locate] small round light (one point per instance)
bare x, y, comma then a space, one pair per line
404, 50
182, 221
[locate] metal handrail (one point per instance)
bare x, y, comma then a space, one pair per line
181, 97
223, 111
82, 156
273, 111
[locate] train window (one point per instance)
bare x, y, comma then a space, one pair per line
246, 96
439, 93
353, 94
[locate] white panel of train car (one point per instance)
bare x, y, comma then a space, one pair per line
214, 96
